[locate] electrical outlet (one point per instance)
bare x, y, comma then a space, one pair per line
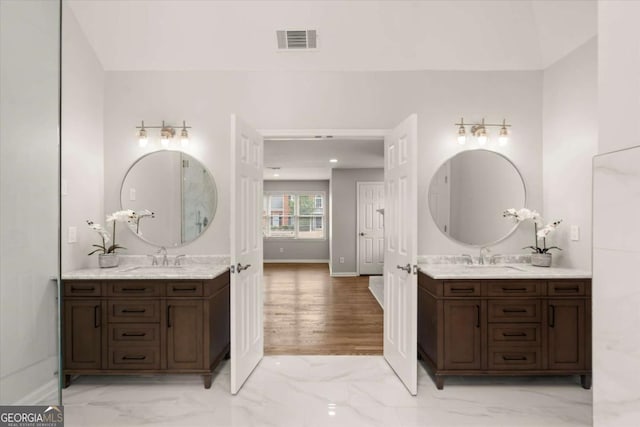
281, 250
72, 235
341, 260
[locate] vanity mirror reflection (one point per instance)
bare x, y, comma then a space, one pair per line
174, 196
468, 194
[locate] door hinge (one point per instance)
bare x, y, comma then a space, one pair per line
415, 268
233, 269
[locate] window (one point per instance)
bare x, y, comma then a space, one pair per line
294, 215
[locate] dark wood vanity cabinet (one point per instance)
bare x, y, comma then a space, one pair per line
145, 326
505, 327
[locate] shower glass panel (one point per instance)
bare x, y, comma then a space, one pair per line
29, 202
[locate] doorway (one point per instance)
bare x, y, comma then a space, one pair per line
370, 226
400, 247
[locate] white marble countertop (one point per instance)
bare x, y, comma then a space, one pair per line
500, 271
138, 268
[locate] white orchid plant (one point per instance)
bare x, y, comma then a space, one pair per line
126, 215
520, 215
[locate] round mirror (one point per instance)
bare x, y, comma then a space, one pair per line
470, 191
173, 195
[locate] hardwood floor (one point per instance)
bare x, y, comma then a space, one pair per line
308, 312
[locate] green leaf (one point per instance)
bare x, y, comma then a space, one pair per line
535, 248
552, 247
94, 251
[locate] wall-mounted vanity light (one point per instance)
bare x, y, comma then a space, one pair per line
479, 130
167, 132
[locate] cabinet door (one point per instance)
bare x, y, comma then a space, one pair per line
82, 334
462, 346
567, 334
185, 340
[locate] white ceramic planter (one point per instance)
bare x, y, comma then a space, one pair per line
541, 260
108, 260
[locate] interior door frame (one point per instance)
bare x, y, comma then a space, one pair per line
373, 134
358, 184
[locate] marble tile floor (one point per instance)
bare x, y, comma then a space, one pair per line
325, 391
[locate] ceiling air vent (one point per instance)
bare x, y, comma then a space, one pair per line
297, 39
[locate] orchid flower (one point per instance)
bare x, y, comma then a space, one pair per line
548, 229
520, 215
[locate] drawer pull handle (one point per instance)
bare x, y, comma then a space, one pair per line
184, 289
134, 334
514, 289
514, 310
141, 357
567, 289
129, 310
76, 289
514, 334
513, 358
96, 316
134, 289
462, 290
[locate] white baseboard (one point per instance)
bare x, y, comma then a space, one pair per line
345, 274
296, 261
42, 395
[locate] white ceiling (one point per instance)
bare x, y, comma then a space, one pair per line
352, 35
306, 160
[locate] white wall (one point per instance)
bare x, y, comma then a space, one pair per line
570, 140
82, 143
616, 347
344, 215
29, 71
281, 100
299, 250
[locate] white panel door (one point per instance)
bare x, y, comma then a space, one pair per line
370, 227
400, 256
247, 334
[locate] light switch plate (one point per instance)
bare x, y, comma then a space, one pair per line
72, 235
132, 194
575, 233
341, 260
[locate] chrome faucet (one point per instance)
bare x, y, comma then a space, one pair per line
177, 259
484, 252
154, 260
468, 257
163, 251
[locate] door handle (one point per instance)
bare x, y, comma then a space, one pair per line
361, 233
406, 268
240, 267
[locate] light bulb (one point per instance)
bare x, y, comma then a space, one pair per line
462, 135
482, 137
503, 139
164, 140
142, 136
184, 135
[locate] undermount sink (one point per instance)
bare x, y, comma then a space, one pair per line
489, 267
155, 268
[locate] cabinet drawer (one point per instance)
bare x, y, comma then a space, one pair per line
525, 310
514, 359
462, 289
134, 311
139, 288
568, 288
143, 333
131, 357
509, 288
501, 334
82, 289
184, 289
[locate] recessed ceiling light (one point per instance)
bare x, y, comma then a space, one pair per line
333, 161
276, 174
